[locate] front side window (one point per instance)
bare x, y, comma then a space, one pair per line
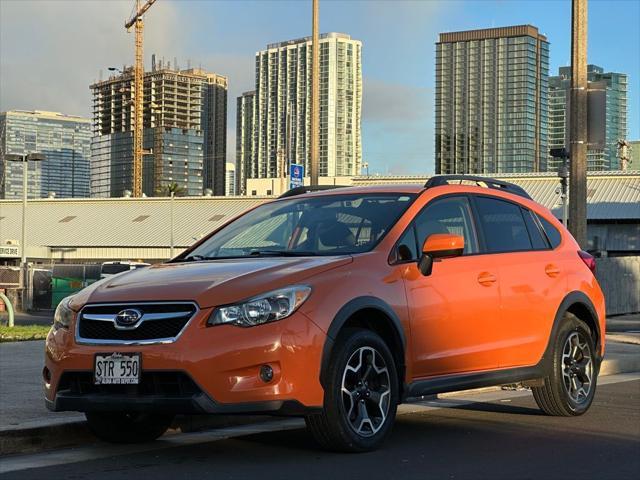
503, 225
323, 225
448, 215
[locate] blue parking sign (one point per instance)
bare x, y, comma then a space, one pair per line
296, 175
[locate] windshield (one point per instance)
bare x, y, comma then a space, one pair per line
323, 225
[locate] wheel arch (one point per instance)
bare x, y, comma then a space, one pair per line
373, 314
578, 304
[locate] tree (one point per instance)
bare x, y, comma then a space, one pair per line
171, 188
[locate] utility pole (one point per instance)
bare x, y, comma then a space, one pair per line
578, 127
315, 96
171, 239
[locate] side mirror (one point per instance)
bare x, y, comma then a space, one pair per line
439, 245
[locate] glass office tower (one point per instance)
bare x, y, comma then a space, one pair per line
64, 140
607, 115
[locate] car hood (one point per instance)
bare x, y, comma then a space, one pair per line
209, 283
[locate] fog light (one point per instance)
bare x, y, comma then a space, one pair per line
46, 375
266, 373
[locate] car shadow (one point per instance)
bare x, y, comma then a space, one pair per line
499, 408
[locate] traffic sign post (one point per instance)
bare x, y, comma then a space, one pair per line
296, 175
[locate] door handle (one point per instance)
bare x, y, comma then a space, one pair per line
487, 279
551, 270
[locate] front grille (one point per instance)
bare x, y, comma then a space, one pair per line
159, 321
165, 384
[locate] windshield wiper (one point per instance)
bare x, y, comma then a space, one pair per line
195, 258
281, 253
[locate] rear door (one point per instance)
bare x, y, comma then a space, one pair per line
531, 280
454, 310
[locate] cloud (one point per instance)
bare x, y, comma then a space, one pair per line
50, 51
397, 127
392, 102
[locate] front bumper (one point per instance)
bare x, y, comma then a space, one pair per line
222, 362
195, 404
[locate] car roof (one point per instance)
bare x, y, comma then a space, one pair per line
349, 190
413, 189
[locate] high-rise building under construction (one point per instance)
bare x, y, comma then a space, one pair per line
185, 132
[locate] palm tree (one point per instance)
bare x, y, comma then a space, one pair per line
171, 188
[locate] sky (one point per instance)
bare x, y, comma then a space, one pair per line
52, 50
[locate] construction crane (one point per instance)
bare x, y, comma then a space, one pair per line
138, 92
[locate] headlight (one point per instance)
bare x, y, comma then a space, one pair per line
268, 307
63, 315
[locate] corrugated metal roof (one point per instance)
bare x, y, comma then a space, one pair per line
122, 222
610, 195
128, 222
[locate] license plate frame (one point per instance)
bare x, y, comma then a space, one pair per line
126, 374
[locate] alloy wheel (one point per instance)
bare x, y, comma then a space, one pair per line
577, 367
366, 391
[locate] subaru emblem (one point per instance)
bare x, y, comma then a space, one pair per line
128, 317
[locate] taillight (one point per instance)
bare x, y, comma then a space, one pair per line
588, 260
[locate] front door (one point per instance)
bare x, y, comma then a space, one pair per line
454, 311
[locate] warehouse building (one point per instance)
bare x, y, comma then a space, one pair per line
102, 229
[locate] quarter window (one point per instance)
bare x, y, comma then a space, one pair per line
538, 240
503, 225
448, 215
406, 249
552, 232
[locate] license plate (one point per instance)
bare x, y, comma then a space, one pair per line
117, 368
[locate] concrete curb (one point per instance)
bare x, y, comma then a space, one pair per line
632, 338
69, 433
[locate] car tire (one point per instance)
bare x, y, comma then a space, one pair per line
361, 394
121, 427
570, 385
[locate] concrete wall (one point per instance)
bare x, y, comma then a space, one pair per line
619, 278
277, 186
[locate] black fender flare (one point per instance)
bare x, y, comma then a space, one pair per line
347, 311
571, 299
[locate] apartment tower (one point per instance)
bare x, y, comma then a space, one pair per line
491, 101
280, 121
245, 137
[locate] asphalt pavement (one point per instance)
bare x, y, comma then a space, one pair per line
497, 435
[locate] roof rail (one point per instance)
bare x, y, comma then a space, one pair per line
489, 182
309, 189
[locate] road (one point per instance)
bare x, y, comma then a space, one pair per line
484, 435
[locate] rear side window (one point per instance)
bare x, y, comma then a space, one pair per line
538, 239
503, 225
552, 232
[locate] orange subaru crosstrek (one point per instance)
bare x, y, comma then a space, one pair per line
337, 305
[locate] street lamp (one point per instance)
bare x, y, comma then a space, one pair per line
563, 173
25, 159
